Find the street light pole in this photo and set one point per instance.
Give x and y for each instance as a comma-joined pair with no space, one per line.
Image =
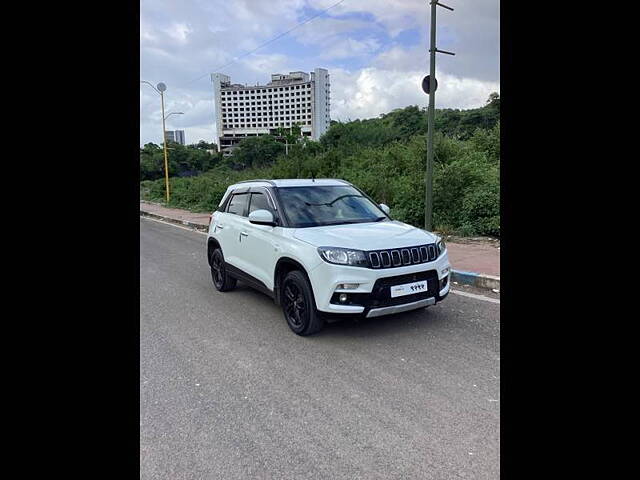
161,87
428,210
164,144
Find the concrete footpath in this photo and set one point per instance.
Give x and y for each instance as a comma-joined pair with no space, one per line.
475,261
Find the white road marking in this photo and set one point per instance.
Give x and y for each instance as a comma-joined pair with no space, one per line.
477,297
173,225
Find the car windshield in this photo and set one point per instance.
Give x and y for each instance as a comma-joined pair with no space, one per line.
314,206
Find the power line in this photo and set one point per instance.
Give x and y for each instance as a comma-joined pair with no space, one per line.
267,42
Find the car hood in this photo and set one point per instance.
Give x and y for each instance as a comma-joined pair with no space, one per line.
365,236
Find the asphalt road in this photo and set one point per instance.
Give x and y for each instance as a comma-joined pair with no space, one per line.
227,391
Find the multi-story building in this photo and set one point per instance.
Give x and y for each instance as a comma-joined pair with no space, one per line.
298,98
175,136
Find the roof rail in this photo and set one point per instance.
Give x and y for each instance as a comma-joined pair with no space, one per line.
259,180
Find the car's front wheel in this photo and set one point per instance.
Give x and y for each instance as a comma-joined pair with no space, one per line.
298,304
221,279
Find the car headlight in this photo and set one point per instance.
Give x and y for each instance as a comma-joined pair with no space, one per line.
441,247
343,256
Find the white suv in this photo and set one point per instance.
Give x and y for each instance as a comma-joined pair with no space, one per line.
322,248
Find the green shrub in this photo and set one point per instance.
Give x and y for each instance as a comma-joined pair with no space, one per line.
385,157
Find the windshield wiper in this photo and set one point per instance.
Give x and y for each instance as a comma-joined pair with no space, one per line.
349,222
328,204
379,219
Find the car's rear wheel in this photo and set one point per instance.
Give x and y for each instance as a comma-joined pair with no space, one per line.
221,279
298,304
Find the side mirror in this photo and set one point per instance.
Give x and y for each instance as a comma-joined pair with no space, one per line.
262,217
385,208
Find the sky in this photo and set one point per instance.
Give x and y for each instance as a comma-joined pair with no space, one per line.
376,52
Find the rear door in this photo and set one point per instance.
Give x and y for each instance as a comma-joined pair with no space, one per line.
259,243
229,236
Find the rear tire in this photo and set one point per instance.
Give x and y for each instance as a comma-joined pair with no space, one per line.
298,304
221,278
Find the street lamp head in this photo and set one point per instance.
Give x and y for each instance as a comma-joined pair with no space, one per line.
173,113
161,87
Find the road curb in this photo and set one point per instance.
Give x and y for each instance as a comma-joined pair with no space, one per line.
196,226
479,280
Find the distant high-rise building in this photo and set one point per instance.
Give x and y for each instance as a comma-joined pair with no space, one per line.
298,98
175,136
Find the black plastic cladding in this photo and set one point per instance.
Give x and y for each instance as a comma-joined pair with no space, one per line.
398,257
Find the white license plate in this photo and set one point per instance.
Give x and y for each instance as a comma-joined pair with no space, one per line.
408,289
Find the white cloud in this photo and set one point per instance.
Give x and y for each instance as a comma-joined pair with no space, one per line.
261,64
323,30
179,32
184,41
395,16
351,48
371,91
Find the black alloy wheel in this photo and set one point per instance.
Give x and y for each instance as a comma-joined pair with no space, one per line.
298,304
294,304
221,279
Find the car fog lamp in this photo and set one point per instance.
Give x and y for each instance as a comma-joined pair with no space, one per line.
343,297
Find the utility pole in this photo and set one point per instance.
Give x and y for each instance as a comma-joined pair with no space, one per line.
431,90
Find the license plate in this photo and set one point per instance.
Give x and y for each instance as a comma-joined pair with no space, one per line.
408,289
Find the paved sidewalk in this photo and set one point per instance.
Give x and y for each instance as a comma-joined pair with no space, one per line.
175,213
480,258
483,259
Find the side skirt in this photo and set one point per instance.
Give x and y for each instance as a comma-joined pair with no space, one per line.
252,281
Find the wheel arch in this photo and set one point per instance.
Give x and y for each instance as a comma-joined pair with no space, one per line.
285,265
212,244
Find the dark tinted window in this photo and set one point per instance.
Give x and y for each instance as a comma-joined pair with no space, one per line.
258,202
238,204
327,205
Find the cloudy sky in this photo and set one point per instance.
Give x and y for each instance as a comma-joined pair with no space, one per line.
375,51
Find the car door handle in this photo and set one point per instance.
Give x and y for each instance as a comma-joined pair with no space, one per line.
219,226
244,234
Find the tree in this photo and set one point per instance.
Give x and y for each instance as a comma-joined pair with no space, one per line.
202,145
256,152
183,160
494,99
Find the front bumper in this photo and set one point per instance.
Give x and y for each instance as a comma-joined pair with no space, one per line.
372,296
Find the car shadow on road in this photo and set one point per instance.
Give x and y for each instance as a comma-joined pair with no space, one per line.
420,320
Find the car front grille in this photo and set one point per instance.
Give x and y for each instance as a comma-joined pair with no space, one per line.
400,257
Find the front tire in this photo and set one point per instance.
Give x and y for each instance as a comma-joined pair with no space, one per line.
298,304
221,279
